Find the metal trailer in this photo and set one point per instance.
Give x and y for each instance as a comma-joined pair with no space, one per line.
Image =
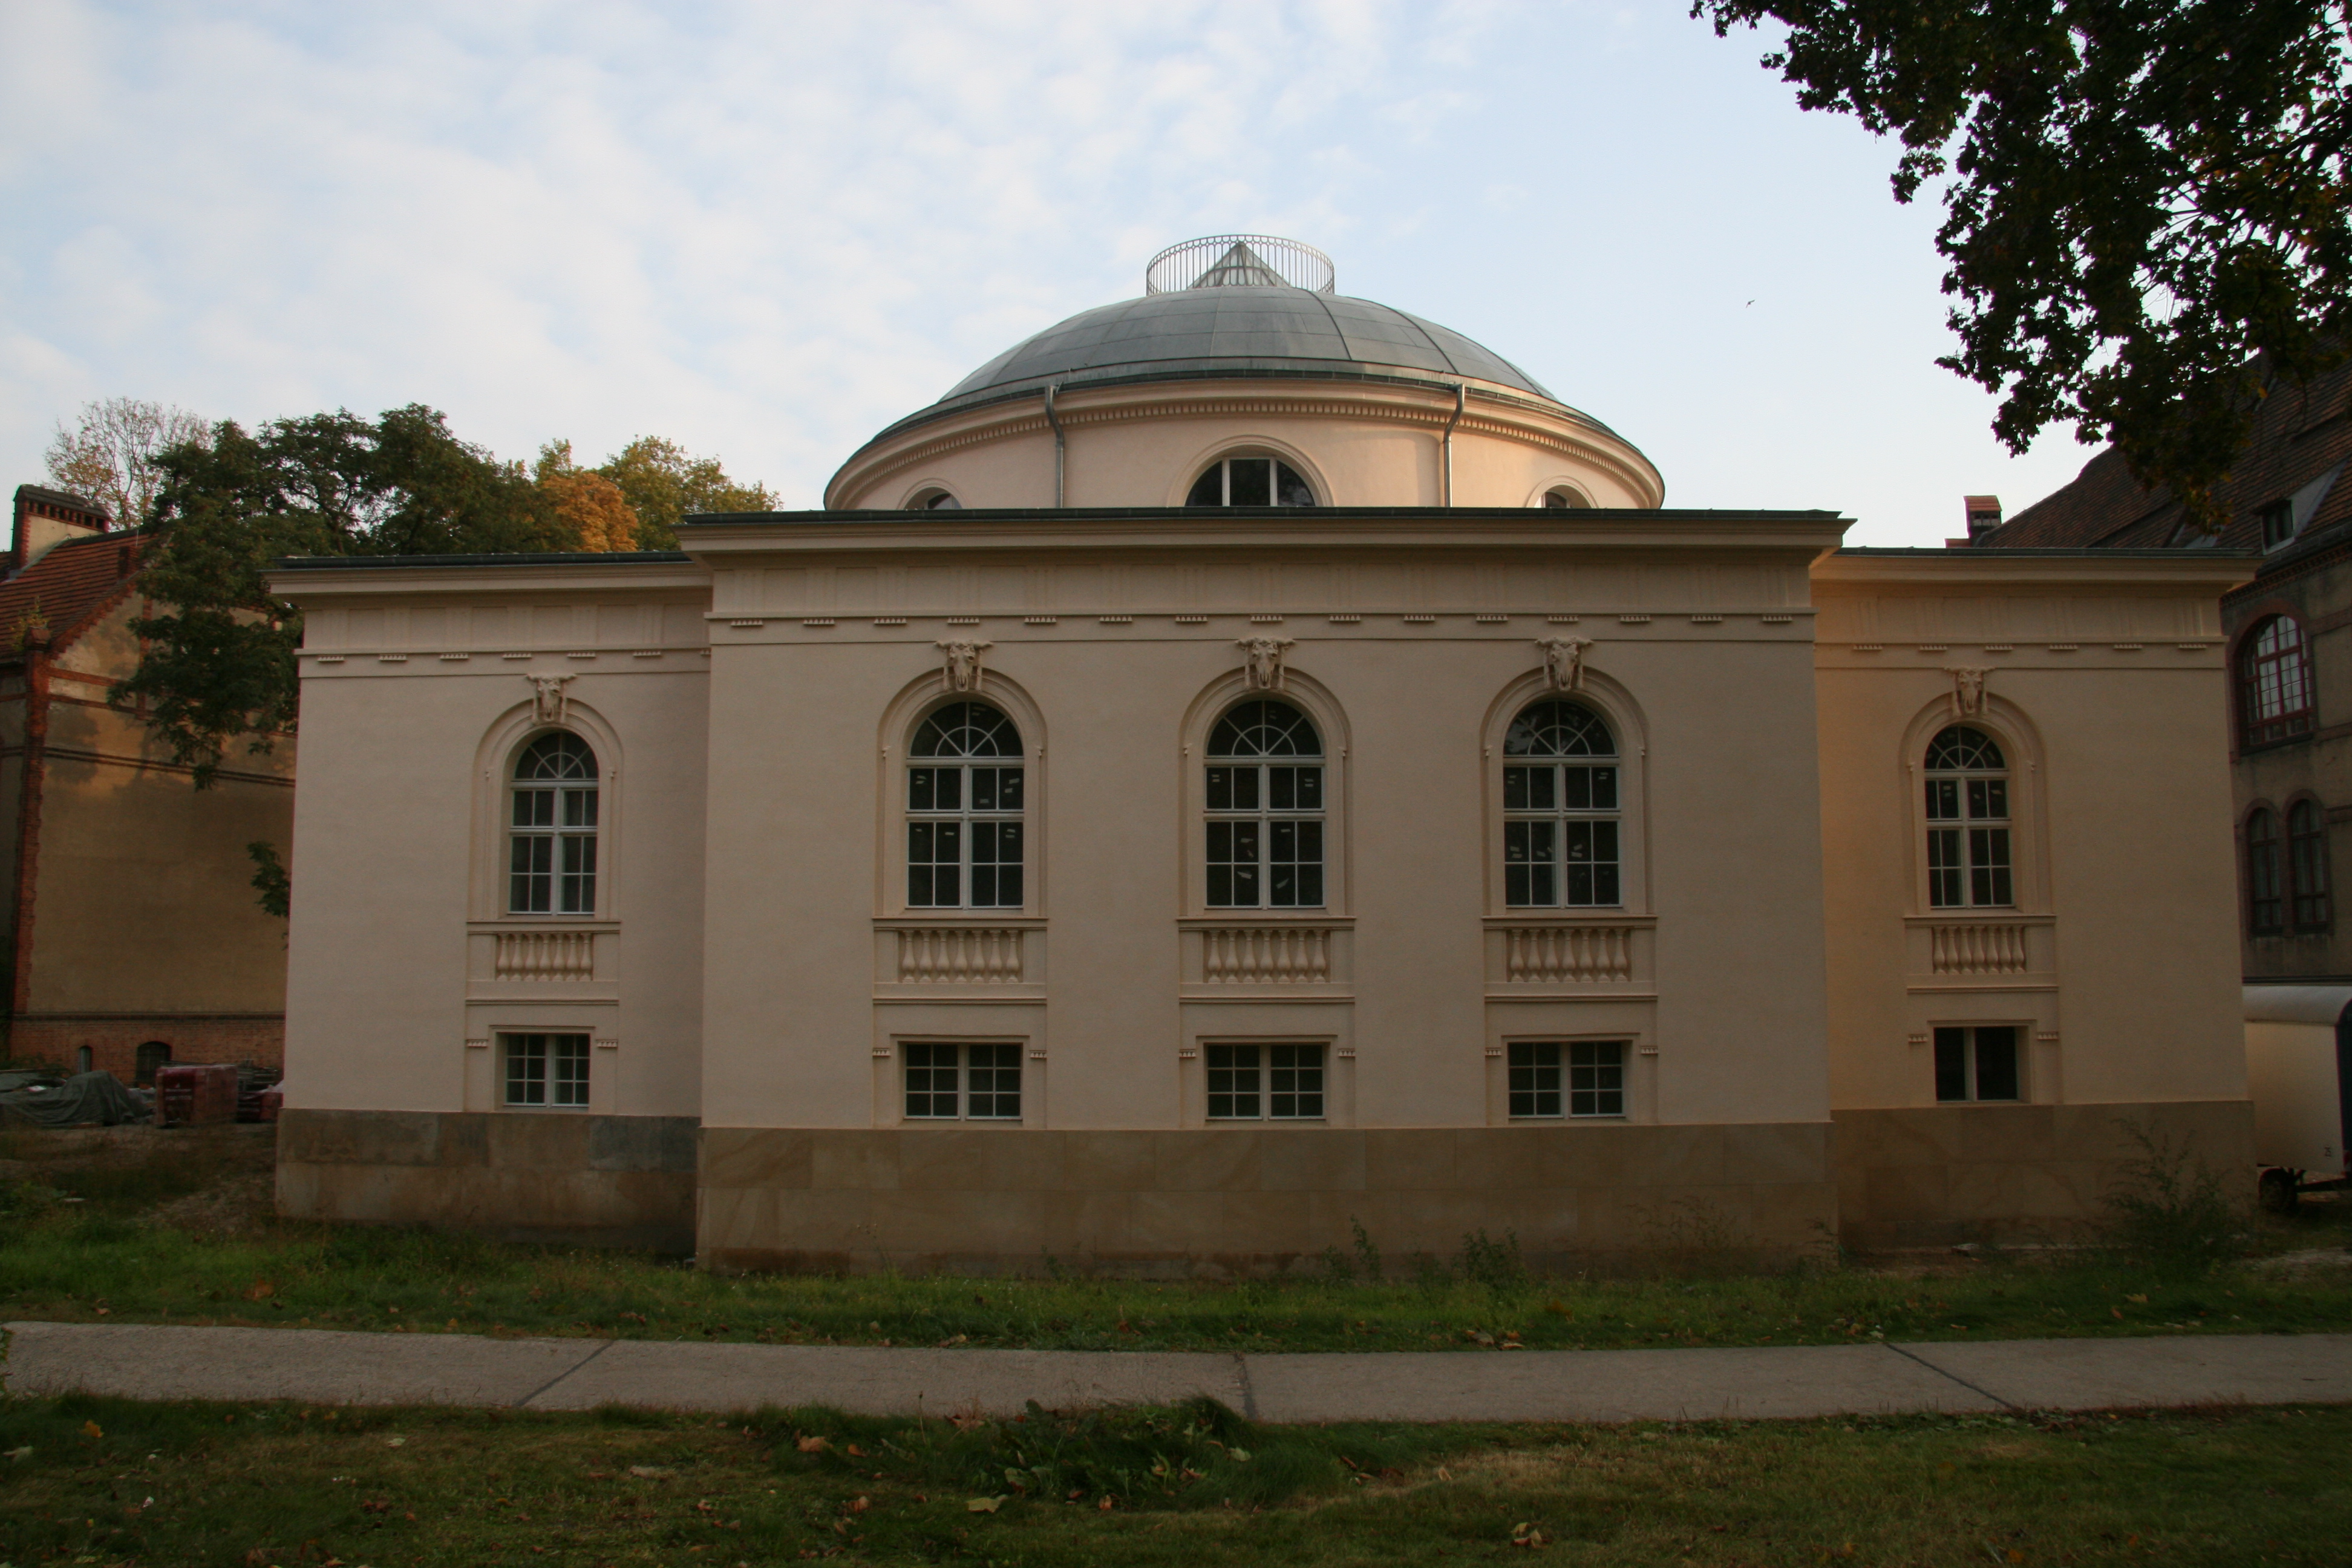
2299,1075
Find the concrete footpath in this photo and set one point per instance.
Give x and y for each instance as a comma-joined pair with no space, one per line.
152,1362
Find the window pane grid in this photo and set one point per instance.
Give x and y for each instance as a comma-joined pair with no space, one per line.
2274,683
1977,1063
1277,1083
546,1069
948,1082
1534,1078
551,828
965,838
1264,831
1596,1078
2306,831
1968,865
2265,909
1560,824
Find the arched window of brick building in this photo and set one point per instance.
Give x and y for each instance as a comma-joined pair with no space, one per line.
2307,860
2265,910
2274,686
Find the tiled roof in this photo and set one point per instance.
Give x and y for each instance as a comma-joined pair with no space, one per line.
2301,434
70,584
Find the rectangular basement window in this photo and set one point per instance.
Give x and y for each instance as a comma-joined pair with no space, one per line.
1979,1063
946,1082
1574,1078
546,1069
1265,1083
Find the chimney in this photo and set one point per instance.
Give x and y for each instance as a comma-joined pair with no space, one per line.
48,518
1984,515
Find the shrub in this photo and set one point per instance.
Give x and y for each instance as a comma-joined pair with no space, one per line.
2169,1209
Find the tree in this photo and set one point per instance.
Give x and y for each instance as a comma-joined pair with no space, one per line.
585,501
218,660
2147,219
663,485
108,455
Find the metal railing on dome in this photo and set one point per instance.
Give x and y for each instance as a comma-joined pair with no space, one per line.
1246,261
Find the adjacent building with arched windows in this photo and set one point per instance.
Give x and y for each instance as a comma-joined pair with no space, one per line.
1247,763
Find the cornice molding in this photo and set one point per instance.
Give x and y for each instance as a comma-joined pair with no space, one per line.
886,461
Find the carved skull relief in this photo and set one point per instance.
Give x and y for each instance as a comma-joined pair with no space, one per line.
1264,667
1967,691
962,671
1564,661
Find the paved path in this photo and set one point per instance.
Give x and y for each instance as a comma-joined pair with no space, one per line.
148,1362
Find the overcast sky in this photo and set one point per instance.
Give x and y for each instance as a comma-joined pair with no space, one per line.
767,230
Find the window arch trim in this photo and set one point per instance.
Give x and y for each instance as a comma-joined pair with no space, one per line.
2022,753
2274,698
902,717
1198,721
1629,726
501,748
1249,445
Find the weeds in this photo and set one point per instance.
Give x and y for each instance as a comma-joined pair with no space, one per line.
2170,1210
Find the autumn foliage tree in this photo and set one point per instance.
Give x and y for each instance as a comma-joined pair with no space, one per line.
108,453
2148,202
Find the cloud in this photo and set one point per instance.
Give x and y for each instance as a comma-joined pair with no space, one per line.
767,231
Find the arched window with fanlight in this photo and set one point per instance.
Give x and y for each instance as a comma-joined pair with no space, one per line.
2274,686
2306,866
1266,801
965,787
2266,910
1560,809
1969,823
551,828
1250,481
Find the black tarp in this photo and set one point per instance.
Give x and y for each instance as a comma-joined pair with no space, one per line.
86,1097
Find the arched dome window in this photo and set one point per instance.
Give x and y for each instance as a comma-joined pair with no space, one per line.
937,500
1560,498
1968,820
1560,809
963,810
552,835
1250,481
1264,799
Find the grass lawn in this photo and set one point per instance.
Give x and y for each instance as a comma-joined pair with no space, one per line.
176,1228
111,1481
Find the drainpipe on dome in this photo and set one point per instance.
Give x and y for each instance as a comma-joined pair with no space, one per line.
1061,448
1461,402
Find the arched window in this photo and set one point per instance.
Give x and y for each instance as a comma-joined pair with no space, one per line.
934,500
1266,809
2264,911
2306,863
963,810
1250,481
150,1056
1968,820
1560,498
2274,686
551,830
1560,809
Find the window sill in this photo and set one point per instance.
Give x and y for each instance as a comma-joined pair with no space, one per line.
545,923
1264,917
924,919
1618,1121
1554,914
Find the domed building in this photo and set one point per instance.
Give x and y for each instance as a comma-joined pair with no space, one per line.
1246,762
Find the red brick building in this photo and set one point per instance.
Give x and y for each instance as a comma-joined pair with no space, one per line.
128,934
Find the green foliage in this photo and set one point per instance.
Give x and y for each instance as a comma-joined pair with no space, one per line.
272,882
2170,1210
664,485
2147,220
1496,1265
218,659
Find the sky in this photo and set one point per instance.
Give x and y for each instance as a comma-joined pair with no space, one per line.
767,230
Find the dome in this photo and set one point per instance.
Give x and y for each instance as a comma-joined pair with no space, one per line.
1241,314
1220,329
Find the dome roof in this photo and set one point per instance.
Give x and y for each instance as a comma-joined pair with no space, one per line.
1203,331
